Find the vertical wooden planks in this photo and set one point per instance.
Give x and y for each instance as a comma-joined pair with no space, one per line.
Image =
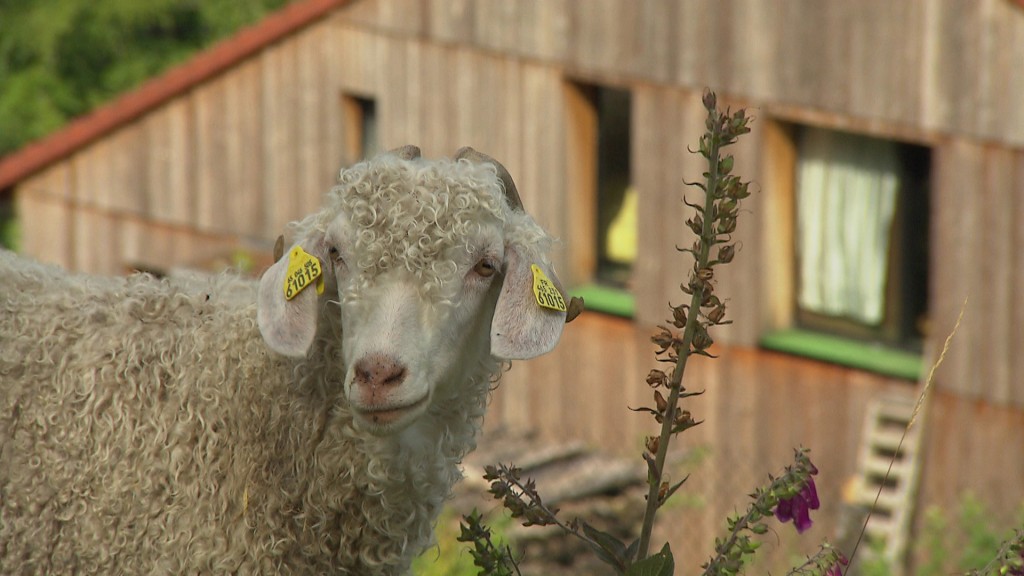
170,186
451,20
316,110
666,123
594,45
393,97
741,282
126,169
778,160
243,158
542,179
353,59
993,285
280,133
44,211
440,130
1016,312
581,182
549,37
1010,117
656,124
96,242
956,209
211,135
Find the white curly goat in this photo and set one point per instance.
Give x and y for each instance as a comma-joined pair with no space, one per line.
216,426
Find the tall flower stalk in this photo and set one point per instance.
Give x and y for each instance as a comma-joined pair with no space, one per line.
714,223
685,334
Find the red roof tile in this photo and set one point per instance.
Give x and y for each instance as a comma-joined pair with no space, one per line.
131,105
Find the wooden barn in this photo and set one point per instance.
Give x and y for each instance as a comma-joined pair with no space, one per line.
887,157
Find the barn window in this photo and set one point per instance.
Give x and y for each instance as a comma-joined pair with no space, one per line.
9,235
600,141
360,127
860,243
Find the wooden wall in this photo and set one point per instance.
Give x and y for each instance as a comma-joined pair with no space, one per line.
225,166
757,406
977,237
946,65
229,163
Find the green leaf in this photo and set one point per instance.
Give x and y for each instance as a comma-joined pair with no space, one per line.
608,548
660,564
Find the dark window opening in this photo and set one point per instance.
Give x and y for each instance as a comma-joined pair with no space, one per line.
361,121
9,231
616,195
862,237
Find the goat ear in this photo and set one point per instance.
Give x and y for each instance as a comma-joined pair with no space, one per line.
288,326
521,327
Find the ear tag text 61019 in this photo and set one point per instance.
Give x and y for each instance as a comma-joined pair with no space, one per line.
548,296
303,270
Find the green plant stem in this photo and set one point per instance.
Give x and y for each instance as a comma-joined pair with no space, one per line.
734,536
682,348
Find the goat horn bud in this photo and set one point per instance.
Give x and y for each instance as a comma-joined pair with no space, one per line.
511,193
407,152
279,248
575,309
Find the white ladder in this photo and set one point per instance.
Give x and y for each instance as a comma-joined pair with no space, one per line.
890,523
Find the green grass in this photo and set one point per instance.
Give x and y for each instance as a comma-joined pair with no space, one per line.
451,557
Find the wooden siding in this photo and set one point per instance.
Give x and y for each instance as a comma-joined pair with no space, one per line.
757,407
943,65
978,204
227,164
256,147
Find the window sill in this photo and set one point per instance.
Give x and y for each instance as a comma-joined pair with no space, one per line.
846,352
614,301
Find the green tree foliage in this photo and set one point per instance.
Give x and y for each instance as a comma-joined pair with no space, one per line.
62,58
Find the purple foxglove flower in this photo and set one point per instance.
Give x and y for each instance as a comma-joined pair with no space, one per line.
810,493
784,510
801,514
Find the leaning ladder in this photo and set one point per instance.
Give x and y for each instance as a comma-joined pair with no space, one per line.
888,530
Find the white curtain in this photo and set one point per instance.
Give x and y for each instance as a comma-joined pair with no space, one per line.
846,198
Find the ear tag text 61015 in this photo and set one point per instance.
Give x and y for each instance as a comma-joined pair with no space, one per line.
303,270
548,296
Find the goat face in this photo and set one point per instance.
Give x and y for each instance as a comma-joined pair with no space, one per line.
410,327
431,270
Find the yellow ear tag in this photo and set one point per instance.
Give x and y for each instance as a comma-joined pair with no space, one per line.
303,270
544,289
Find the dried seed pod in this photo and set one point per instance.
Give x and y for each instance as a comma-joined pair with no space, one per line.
727,225
656,378
679,316
726,253
653,443
717,314
710,101
696,224
701,340
660,401
664,339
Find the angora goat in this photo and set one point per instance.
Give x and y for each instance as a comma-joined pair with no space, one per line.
184,426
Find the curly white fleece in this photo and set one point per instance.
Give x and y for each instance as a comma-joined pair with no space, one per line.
145,428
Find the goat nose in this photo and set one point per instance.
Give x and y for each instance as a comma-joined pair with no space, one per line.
379,370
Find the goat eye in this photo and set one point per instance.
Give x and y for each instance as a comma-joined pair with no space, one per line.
485,268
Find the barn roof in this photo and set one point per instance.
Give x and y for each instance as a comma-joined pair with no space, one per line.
179,79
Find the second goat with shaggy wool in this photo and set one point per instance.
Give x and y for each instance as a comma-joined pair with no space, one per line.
311,424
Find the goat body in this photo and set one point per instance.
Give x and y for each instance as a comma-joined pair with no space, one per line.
216,426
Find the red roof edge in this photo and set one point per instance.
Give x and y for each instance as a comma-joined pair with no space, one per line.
179,79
